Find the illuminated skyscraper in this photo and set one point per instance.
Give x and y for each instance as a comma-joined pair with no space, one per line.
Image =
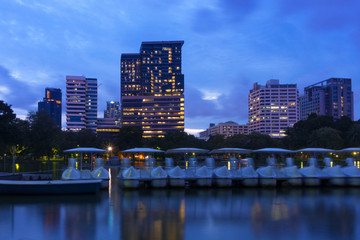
81,103
273,108
152,88
52,104
332,97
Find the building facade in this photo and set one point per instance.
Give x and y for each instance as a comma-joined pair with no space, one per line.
51,104
226,129
332,97
152,87
273,108
81,103
113,111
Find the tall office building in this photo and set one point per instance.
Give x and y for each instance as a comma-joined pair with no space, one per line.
152,88
273,108
332,97
81,103
52,104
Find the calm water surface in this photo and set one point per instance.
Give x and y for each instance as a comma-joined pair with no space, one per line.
185,214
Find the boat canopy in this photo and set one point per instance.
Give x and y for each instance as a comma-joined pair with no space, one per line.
144,150
349,150
273,150
324,150
187,150
85,150
230,150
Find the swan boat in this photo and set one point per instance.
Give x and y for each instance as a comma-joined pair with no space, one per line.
204,177
176,177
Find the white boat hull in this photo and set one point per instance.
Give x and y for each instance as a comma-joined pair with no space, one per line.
312,181
131,183
267,182
159,183
177,182
338,181
296,182
204,182
250,182
223,182
353,181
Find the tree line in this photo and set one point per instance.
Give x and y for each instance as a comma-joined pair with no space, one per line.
38,136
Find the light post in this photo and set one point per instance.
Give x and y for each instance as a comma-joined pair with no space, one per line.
109,149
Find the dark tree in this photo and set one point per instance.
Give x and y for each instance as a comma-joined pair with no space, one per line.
43,133
7,119
129,137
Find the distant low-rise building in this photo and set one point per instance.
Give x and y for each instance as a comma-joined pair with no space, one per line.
226,129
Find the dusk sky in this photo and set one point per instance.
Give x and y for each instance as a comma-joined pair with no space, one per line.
229,45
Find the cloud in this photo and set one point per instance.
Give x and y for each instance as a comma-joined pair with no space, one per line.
324,15
19,94
222,14
228,105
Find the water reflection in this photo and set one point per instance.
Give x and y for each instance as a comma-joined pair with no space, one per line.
185,214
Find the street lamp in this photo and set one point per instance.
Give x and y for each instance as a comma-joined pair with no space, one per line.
109,149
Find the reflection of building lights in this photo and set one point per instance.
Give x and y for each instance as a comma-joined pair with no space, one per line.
279,211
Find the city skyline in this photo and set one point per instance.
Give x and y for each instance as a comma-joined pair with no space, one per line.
229,46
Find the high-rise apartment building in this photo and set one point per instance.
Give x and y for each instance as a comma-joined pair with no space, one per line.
81,103
52,104
273,108
332,97
152,87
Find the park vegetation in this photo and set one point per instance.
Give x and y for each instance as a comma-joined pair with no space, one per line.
38,137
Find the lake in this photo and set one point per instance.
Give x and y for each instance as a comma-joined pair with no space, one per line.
235,213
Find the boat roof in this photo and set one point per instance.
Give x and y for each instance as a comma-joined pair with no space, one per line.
145,150
349,150
315,150
230,150
187,150
273,150
85,149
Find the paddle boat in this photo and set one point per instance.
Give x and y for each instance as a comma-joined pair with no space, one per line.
100,172
222,177
130,178
268,175
352,173
335,173
71,172
204,176
158,177
248,174
291,173
312,174
176,177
